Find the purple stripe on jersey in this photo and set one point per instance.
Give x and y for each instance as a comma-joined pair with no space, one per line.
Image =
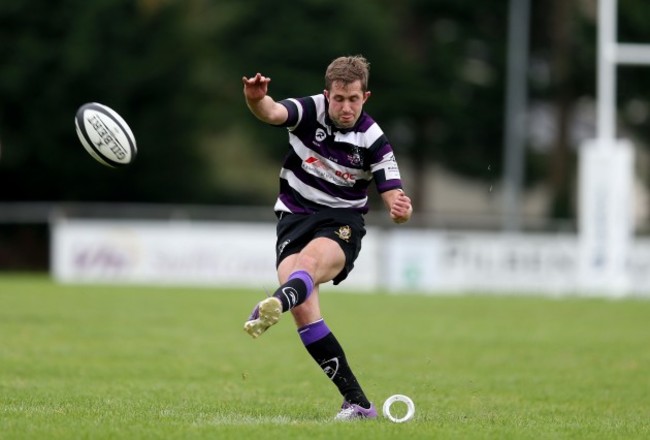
347,155
313,332
305,137
292,110
364,123
356,191
383,150
291,202
352,193
299,205
387,185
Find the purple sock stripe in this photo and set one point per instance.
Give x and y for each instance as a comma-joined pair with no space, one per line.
313,332
306,278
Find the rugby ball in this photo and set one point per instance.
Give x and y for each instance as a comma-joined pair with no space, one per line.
105,135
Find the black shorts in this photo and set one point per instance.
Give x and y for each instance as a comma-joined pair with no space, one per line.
346,227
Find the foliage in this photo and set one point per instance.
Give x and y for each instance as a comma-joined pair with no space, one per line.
456,50
172,68
293,45
58,55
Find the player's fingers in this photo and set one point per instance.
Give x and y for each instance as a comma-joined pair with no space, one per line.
256,78
401,204
405,202
250,81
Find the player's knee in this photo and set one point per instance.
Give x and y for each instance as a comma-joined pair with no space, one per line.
307,263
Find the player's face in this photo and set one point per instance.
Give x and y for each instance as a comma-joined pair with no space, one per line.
345,103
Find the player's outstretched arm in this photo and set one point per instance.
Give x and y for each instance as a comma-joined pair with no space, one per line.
260,103
398,205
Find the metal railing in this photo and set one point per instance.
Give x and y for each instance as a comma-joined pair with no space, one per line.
43,212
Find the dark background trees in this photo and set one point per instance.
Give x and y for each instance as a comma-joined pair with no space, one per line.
172,69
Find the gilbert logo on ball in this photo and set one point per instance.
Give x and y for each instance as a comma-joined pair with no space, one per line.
410,408
105,135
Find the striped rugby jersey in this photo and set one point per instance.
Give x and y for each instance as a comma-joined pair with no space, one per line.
329,167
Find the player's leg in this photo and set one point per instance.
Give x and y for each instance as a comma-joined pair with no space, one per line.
325,349
327,260
319,261
322,259
290,293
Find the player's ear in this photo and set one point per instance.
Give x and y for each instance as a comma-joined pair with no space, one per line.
366,95
327,94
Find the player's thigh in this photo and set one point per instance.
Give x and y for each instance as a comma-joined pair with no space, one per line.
286,267
323,258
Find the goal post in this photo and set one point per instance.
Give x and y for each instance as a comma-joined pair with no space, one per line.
606,172
605,216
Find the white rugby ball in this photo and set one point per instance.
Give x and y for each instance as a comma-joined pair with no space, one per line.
105,135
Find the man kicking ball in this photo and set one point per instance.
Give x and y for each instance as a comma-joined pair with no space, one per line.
336,150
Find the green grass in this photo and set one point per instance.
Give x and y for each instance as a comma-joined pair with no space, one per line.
102,362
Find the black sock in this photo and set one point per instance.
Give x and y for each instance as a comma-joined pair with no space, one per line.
295,291
328,353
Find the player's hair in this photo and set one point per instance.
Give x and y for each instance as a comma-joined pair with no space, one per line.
348,70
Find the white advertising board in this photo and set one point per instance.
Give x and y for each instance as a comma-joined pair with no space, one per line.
433,262
162,252
397,259
457,262
180,253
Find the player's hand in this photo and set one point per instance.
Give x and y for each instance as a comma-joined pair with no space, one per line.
401,208
256,88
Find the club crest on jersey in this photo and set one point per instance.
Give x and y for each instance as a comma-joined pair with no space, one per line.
355,157
344,233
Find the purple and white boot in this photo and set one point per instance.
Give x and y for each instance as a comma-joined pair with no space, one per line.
352,411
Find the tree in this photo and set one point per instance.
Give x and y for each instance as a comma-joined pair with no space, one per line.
138,60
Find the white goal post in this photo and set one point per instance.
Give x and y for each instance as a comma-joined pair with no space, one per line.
606,170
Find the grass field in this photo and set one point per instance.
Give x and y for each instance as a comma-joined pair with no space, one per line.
103,362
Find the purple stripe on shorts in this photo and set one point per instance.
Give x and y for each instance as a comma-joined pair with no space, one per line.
313,332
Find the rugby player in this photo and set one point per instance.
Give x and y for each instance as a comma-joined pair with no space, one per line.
335,151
